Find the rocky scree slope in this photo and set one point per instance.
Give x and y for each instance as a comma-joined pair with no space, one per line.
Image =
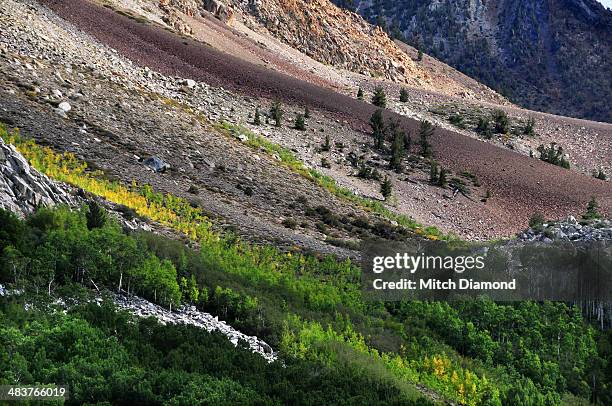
120,112
317,29
517,186
551,55
577,137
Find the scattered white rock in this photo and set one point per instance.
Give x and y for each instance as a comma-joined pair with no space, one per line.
191,316
570,230
64,106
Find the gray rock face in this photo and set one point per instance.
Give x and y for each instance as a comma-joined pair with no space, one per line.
22,188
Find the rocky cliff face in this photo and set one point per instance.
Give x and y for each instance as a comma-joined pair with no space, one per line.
332,35
550,55
315,27
172,10
22,188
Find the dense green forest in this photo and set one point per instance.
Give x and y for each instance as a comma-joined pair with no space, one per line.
475,352
334,347
109,356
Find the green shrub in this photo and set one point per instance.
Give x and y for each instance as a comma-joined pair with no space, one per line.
276,112
592,211
457,120
553,155
379,98
529,128
484,127
366,172
290,223
599,174
299,123
536,221
502,123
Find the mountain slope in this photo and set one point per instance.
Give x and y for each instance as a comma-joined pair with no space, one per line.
518,183
113,88
303,39
549,55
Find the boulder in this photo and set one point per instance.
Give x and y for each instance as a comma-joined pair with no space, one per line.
64,106
190,83
219,9
156,164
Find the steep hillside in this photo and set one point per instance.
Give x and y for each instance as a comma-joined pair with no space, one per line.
551,55
306,39
258,177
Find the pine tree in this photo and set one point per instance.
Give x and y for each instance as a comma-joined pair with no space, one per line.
442,179
434,174
299,124
403,95
382,22
360,94
592,212
484,127
386,188
397,146
502,124
396,32
407,142
529,128
426,130
420,55
380,98
257,119
306,112
96,215
276,111
378,129
327,145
